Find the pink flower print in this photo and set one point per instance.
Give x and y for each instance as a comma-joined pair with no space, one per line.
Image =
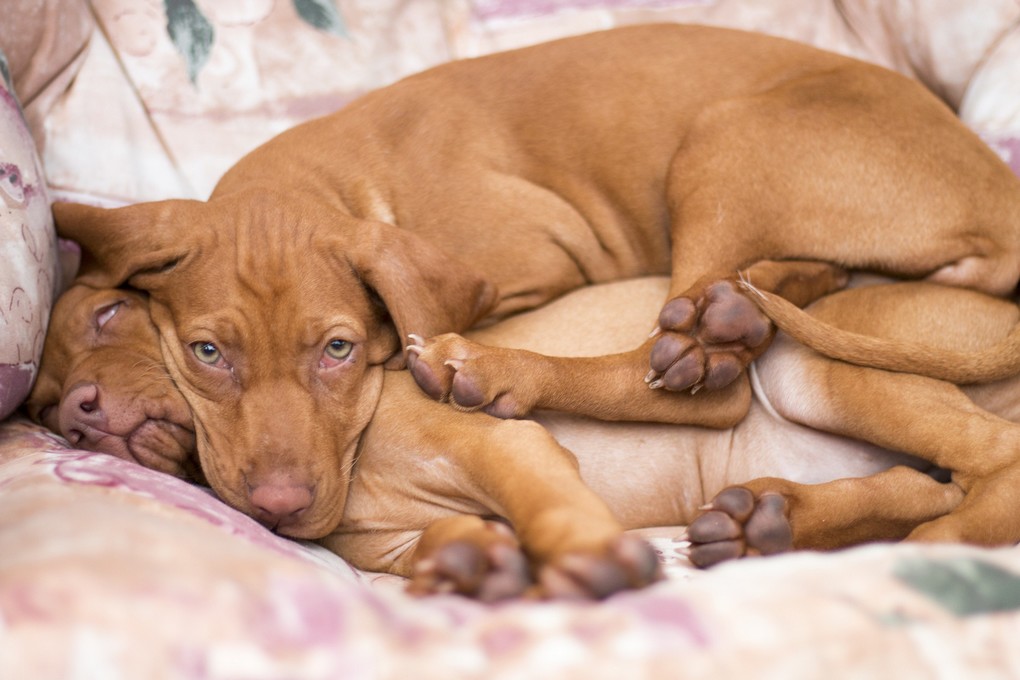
12,187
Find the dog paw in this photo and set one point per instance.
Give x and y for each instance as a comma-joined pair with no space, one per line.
736,524
628,563
488,573
707,341
469,376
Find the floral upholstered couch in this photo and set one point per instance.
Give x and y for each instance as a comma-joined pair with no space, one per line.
110,570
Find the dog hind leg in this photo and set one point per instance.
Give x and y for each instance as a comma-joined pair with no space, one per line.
837,168
770,515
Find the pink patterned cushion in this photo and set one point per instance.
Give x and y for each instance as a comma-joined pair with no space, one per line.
28,251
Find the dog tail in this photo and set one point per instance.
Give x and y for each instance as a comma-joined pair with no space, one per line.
962,367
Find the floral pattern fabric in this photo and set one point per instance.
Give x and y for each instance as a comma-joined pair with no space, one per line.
108,569
28,255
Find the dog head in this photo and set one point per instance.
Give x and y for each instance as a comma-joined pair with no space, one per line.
276,315
103,385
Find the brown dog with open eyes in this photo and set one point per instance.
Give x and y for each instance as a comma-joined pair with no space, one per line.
780,479
489,186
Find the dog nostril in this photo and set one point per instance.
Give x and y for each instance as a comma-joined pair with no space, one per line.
85,398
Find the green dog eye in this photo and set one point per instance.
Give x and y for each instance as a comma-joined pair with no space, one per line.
206,352
338,349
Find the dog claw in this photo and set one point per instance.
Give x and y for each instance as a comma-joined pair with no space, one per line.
748,287
417,345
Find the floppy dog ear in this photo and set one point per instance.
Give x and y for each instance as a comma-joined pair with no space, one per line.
121,244
425,290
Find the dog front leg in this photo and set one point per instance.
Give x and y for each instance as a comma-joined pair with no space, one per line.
725,332
449,475
513,383
576,547
711,331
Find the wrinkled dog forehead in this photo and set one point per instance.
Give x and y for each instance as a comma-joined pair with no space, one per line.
295,295
256,247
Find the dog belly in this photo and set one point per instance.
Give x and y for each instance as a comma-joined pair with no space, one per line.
766,445
647,473
658,475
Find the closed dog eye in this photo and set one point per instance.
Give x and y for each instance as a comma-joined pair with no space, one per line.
104,314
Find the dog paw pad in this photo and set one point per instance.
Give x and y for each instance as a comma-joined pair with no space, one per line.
494,573
707,341
736,524
466,392
629,563
730,316
427,379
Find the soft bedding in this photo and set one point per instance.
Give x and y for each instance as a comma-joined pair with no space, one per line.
109,570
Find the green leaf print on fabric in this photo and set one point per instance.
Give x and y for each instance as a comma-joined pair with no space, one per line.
5,72
963,586
191,33
322,14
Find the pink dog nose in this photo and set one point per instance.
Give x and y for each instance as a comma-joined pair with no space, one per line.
80,413
280,504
